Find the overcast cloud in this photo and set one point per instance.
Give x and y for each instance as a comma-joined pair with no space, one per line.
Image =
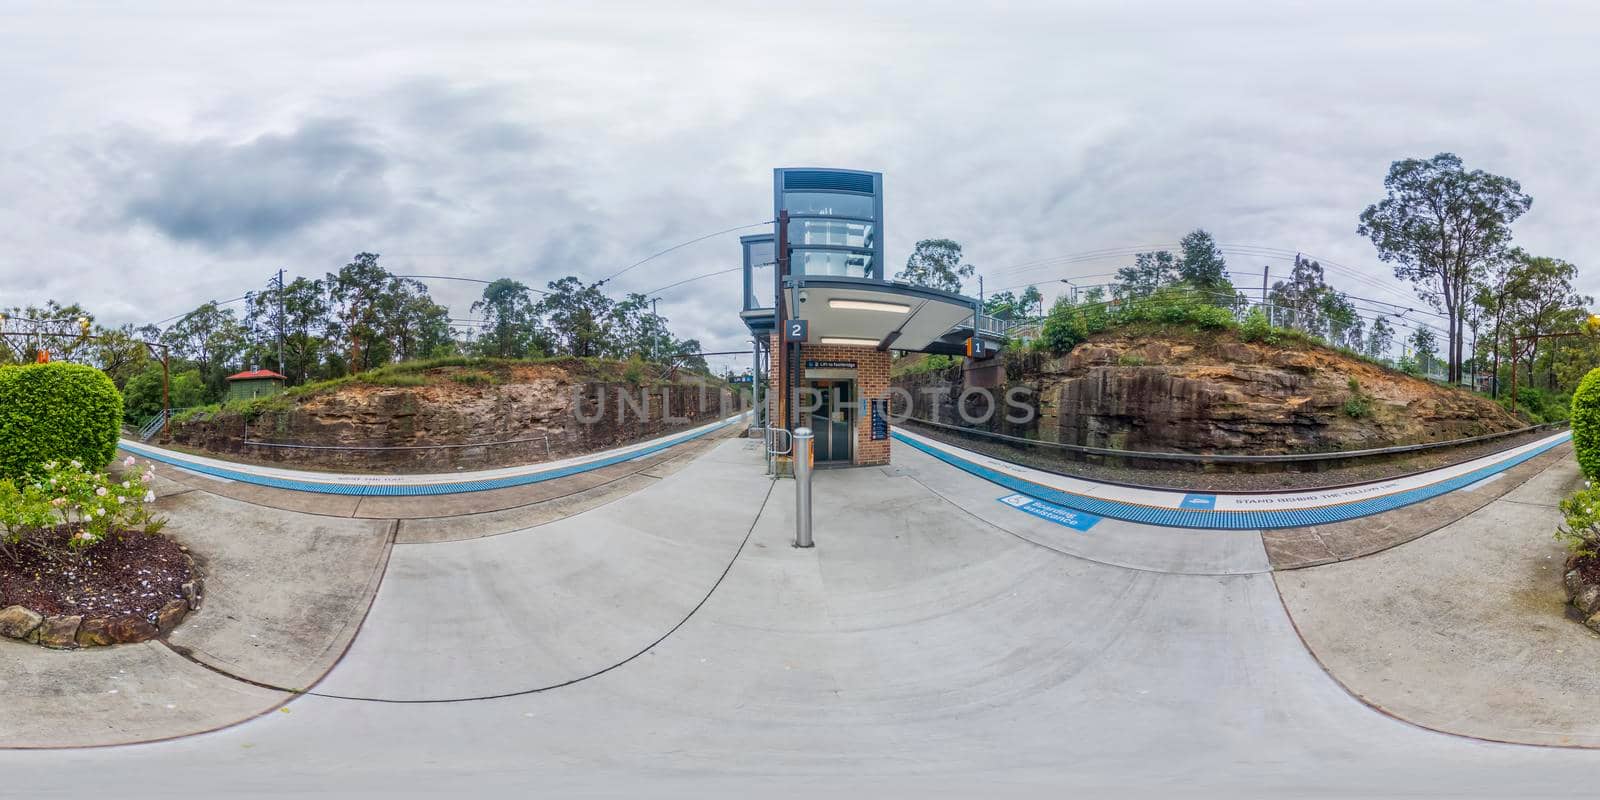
156,159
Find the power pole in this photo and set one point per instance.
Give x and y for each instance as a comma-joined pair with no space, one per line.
655,339
280,322
1264,301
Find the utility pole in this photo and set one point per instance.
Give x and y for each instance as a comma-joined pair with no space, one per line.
1264,301
655,338
280,322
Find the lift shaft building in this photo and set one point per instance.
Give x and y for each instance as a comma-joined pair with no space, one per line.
825,316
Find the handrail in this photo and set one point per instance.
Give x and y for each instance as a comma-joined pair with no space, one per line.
769,434
1234,458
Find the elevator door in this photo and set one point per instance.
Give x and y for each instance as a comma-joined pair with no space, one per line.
834,423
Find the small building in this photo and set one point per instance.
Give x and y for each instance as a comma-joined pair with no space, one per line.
250,384
824,315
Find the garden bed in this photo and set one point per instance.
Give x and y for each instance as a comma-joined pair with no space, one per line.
132,587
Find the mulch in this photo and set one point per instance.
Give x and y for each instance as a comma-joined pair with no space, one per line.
1588,567
133,574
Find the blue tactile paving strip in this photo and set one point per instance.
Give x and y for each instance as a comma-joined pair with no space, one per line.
1227,520
407,490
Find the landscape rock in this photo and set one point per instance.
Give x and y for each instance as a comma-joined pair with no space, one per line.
1587,598
60,632
124,630
18,622
94,632
171,614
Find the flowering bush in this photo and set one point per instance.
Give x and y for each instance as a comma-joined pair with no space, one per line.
1581,532
70,509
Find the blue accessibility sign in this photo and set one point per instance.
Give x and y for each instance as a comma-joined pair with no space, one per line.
1200,502
1076,520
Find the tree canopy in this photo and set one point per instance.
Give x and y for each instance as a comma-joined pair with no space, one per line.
1441,226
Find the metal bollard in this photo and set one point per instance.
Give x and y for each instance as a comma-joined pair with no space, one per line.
802,487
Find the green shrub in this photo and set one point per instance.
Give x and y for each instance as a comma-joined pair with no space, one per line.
1359,404
1581,529
928,363
634,373
91,505
1130,360
1586,424
56,412
1256,328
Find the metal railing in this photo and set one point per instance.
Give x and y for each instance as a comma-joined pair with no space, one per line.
358,447
153,424
770,440
1235,458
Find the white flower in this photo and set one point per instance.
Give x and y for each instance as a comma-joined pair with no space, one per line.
127,485
149,497
99,512
50,465
99,491
127,462
76,464
119,499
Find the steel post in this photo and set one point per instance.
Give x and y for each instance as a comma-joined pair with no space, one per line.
802,487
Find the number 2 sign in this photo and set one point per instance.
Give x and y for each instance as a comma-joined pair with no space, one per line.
795,330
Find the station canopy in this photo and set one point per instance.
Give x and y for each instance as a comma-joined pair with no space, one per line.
880,314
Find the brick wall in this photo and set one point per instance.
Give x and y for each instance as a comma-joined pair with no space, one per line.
872,383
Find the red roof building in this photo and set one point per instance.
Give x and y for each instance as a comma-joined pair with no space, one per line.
254,383
257,374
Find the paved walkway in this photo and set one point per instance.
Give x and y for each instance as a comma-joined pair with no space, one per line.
936,641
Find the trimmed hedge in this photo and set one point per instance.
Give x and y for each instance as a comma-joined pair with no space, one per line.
56,412
1586,424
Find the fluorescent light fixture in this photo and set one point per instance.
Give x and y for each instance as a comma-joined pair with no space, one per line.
869,305
848,342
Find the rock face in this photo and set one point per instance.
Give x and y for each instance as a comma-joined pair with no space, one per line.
518,415
1212,393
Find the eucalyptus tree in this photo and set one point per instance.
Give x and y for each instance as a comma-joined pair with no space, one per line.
1442,226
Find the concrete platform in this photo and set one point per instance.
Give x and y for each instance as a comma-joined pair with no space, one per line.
285,595
1464,630
936,642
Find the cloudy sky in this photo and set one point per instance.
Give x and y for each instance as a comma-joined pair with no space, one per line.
152,160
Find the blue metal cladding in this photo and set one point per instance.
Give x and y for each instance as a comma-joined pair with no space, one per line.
405,490
828,180
1226,520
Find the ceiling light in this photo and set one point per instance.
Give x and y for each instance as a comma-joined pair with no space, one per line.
848,342
869,305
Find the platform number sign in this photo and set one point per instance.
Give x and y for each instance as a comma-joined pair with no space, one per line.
795,330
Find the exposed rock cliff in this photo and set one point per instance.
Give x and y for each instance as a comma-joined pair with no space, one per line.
1212,393
460,418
